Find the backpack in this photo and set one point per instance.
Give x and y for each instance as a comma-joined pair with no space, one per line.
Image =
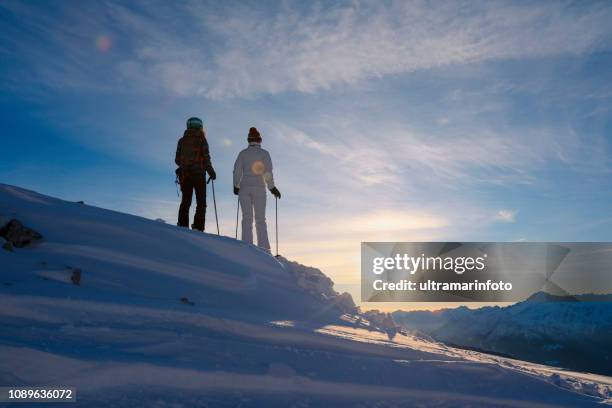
191,154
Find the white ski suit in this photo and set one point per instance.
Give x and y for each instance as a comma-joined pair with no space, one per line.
252,172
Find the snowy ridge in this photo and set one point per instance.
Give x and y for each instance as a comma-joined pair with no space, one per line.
167,317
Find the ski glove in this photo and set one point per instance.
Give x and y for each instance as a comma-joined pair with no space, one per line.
276,193
211,172
236,190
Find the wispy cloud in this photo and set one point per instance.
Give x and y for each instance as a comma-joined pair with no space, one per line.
317,48
505,216
226,51
452,159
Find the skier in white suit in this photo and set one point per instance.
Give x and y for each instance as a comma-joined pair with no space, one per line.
252,173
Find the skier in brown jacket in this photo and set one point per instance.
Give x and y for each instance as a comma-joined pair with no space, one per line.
193,159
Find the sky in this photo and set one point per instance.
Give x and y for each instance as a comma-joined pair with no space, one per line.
386,121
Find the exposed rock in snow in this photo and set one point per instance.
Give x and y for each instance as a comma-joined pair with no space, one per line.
186,301
75,276
18,235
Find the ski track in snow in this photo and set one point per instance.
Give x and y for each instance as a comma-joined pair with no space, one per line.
252,338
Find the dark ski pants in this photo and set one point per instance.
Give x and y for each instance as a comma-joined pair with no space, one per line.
191,182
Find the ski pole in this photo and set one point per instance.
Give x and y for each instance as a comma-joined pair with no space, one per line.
276,211
215,204
237,211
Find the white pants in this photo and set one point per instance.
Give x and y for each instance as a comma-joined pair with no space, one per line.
253,199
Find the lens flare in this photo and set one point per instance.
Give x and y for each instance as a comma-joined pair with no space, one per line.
103,43
258,168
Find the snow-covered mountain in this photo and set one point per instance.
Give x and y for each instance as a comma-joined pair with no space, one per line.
572,331
134,312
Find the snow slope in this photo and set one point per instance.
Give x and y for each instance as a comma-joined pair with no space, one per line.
245,335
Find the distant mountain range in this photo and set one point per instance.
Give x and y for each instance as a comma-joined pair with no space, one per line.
566,331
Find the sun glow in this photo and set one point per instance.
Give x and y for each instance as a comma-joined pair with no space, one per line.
385,221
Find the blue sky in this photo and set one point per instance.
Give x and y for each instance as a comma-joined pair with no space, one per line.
473,121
